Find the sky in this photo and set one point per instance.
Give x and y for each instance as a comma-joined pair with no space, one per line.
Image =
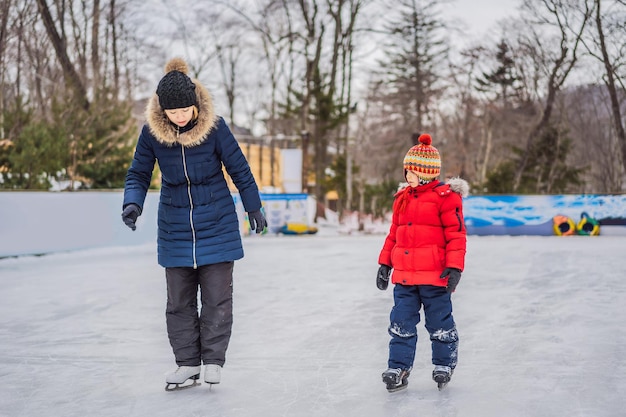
480,16
540,319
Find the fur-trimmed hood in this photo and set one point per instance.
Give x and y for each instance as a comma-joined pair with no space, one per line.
167,133
459,185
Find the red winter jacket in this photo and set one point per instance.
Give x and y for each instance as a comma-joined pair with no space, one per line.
427,233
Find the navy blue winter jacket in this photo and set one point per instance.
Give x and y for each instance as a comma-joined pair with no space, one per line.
197,221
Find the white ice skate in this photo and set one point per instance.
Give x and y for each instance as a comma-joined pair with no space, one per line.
212,373
183,377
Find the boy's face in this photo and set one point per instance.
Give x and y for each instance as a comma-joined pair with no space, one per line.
412,178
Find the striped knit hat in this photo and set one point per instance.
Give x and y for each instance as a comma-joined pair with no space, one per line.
423,159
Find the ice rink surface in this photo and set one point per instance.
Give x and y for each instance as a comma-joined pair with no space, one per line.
541,323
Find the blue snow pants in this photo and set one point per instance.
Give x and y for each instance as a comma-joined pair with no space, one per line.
404,317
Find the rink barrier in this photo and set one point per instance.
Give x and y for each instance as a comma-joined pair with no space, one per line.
37,223
34,223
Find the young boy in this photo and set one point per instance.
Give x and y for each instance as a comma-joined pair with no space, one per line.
426,249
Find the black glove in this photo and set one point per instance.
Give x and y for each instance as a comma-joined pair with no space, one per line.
453,275
382,278
130,214
257,221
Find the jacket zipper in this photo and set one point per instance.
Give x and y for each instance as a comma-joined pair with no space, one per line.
458,218
193,230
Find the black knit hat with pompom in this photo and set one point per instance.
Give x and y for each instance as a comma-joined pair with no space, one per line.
176,90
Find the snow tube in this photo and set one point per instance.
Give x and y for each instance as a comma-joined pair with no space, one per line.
563,225
297,229
587,226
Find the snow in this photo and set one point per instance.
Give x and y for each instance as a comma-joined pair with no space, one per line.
540,321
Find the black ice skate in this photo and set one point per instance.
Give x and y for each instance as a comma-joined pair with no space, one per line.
182,378
396,379
442,375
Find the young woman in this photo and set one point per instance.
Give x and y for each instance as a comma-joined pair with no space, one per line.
198,231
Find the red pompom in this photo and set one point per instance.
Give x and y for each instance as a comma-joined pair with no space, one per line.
425,139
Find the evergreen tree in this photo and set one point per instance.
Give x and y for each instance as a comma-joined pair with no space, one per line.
337,179
109,138
99,141
89,147
503,78
416,53
546,172
404,97
382,196
33,156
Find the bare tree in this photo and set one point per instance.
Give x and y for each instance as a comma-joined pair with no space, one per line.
72,78
558,64
469,159
589,114
5,11
317,36
95,47
611,63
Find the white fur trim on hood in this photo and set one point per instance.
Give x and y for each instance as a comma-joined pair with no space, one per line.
459,186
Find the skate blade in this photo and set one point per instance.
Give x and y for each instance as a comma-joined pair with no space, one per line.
190,383
396,388
441,385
